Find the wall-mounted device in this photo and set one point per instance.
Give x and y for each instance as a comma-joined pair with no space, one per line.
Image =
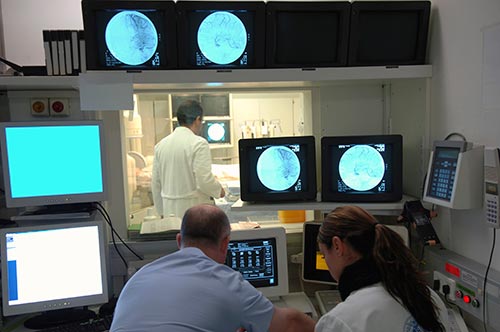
455,175
491,182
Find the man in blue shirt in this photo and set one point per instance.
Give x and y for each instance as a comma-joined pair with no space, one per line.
192,290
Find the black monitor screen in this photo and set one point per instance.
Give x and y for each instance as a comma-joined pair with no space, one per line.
314,268
442,177
277,169
307,34
255,259
388,33
221,34
361,168
130,35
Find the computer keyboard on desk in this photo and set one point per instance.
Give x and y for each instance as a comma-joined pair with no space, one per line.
99,324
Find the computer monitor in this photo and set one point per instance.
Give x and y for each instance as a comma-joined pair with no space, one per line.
314,268
48,268
217,132
388,33
362,168
261,256
277,169
52,162
224,34
307,34
129,35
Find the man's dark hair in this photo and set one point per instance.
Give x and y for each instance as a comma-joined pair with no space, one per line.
188,111
204,225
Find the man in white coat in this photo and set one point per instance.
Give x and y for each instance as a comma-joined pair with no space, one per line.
182,168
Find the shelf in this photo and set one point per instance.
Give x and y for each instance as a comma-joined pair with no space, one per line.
208,79
389,209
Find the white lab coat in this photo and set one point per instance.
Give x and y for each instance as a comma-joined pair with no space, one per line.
373,309
182,173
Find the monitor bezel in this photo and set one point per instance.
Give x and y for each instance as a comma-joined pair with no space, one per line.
168,47
183,24
343,8
278,233
422,7
51,199
50,305
329,195
309,245
309,163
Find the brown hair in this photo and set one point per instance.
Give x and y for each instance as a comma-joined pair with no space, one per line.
397,266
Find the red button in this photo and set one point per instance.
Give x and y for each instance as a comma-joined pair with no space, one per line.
466,299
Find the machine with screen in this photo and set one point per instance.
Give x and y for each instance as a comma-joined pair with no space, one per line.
55,270
129,35
278,169
362,168
48,163
307,34
217,132
261,257
314,268
224,34
374,40
455,175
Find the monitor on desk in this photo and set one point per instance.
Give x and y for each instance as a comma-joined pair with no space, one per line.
314,268
261,257
51,269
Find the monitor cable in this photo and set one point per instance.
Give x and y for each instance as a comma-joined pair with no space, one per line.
486,279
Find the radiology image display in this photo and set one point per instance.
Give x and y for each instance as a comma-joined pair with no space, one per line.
131,38
217,131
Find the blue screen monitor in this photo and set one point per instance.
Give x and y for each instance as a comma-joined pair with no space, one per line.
52,162
278,169
224,34
217,132
50,269
362,168
130,35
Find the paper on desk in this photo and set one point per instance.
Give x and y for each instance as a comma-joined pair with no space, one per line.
244,225
170,224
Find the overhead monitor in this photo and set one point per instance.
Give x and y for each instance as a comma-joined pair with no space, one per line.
52,162
307,34
129,35
362,168
455,175
388,32
53,269
260,256
278,169
224,34
217,132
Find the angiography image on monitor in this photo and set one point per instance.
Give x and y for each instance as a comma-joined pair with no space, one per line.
131,37
278,167
362,167
222,38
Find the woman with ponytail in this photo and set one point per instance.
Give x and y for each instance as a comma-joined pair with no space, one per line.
378,278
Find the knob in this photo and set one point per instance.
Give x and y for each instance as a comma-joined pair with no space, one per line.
475,303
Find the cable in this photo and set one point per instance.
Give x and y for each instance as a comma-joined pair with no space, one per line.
486,279
113,237
455,134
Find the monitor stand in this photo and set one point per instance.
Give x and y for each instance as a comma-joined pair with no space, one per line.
61,211
59,317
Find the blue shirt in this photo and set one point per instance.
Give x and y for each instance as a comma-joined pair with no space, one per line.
188,291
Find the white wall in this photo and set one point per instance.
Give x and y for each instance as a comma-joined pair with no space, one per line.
456,53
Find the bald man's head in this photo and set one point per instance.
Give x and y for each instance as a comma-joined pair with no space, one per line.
204,225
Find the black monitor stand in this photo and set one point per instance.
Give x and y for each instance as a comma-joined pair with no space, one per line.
59,317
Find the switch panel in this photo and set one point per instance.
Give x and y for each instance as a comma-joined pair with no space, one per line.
59,107
39,107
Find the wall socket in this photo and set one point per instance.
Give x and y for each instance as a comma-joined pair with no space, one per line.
444,280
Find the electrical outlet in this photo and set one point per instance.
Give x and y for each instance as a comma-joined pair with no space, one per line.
59,107
39,107
444,280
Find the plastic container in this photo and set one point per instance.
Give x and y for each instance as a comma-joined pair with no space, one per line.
286,216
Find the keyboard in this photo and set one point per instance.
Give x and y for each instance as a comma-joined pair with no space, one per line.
100,324
327,300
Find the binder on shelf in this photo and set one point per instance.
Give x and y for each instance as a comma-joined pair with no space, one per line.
60,52
83,59
67,52
75,52
54,36
48,54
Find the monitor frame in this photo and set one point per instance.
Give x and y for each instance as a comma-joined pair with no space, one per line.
166,47
45,200
328,194
279,234
310,272
421,7
309,163
185,54
273,9
55,304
